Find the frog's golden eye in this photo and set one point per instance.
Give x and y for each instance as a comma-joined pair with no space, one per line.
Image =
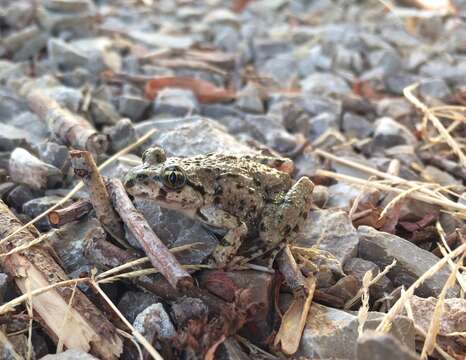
173,177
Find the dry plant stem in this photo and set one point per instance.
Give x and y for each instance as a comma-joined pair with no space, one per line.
79,186
384,326
375,172
70,213
72,129
434,326
27,169
291,272
446,204
86,169
408,93
161,258
87,329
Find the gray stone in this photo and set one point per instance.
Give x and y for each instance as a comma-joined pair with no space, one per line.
121,135
70,355
307,163
356,126
321,123
70,240
132,106
18,14
249,99
372,346
134,302
320,195
155,325
457,38
315,104
342,195
435,89
161,40
332,334
389,133
17,197
54,154
37,129
67,5
433,174
193,136
4,283
65,55
176,102
331,231
175,229
358,268
269,130
325,84
37,206
12,137
381,248
282,68
103,112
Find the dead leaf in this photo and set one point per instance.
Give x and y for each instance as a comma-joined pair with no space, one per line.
294,320
205,91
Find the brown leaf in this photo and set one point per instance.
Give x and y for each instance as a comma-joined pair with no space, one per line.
205,91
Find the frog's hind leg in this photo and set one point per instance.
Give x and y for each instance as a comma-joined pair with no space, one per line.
281,222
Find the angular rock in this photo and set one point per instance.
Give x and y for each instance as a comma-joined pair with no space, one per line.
134,302
12,137
358,268
121,135
176,102
382,347
230,349
332,333
175,229
194,136
132,106
70,355
325,84
381,248
155,325
389,133
55,154
356,126
332,231
249,99
18,196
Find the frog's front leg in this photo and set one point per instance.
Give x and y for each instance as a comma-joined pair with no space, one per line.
283,219
232,240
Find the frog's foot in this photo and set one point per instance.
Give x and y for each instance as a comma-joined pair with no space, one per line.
229,245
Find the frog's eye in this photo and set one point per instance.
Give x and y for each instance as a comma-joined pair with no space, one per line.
173,177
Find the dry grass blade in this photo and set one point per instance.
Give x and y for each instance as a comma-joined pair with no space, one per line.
79,186
384,326
434,326
446,204
364,309
408,93
400,197
30,312
373,281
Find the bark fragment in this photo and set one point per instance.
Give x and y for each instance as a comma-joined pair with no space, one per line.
86,169
34,268
70,128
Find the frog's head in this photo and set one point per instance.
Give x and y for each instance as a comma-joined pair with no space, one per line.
163,181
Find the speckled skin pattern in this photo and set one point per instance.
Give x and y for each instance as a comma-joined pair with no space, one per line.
245,195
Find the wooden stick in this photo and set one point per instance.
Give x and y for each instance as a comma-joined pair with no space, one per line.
161,258
291,272
70,128
86,169
87,328
26,169
70,213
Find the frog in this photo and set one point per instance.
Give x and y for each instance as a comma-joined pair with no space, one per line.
251,198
